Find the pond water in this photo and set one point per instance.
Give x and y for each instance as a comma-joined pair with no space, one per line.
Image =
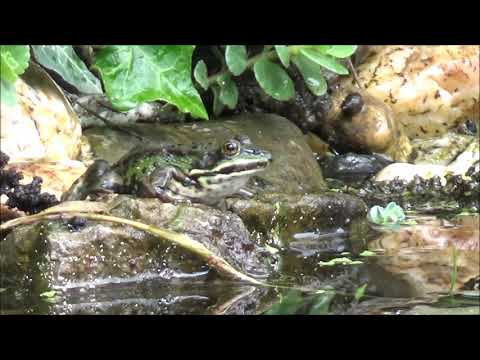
428,268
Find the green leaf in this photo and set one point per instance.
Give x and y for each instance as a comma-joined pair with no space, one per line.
367,253
134,74
63,60
392,214
312,75
48,294
360,292
326,61
273,79
288,305
13,61
340,261
321,303
201,75
341,51
217,103
228,91
283,54
8,94
236,58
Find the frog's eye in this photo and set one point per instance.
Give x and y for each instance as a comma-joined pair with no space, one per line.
231,148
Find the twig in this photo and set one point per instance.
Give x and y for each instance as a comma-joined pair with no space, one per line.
354,73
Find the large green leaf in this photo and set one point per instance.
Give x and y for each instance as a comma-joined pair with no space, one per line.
341,51
273,79
326,61
63,60
283,54
133,74
236,58
7,93
312,74
13,61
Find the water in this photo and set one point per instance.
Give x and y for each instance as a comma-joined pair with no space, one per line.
407,270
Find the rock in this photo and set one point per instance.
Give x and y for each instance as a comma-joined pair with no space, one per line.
353,167
429,88
281,216
42,125
406,172
52,254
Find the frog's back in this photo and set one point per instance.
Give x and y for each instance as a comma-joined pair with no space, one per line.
142,162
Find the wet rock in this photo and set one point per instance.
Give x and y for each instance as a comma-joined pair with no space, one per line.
282,216
50,253
353,167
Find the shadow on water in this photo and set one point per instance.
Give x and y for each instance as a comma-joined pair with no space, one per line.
429,268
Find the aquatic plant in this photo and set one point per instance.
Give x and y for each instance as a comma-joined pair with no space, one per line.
390,215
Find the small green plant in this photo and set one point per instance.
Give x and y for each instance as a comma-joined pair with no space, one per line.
269,70
392,214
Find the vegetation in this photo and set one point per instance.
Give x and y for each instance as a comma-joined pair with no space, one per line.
134,74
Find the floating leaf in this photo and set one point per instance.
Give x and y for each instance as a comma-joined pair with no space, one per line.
63,60
13,61
312,75
340,261
367,253
326,61
283,54
48,294
236,58
273,79
341,51
201,75
134,74
228,91
360,292
392,214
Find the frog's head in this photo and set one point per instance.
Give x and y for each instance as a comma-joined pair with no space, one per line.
230,165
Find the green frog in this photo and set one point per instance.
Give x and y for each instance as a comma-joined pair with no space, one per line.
200,174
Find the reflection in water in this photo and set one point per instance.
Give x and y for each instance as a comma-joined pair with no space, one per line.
417,261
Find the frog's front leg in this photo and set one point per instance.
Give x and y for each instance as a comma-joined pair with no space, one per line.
160,184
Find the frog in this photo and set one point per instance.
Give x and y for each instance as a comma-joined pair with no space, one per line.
195,173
